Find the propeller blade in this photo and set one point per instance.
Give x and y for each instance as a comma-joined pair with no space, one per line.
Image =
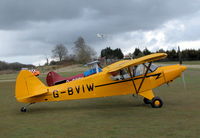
179,55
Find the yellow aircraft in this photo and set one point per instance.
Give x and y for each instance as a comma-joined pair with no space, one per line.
136,76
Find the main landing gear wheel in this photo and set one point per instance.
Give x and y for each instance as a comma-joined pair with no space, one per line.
146,101
156,102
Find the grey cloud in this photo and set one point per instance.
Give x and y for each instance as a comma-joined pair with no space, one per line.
137,14
190,31
35,26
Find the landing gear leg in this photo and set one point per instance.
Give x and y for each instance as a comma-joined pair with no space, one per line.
24,109
146,101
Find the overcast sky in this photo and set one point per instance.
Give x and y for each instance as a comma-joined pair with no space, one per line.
29,29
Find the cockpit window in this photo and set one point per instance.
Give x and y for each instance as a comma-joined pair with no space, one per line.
135,71
153,67
124,73
141,69
120,74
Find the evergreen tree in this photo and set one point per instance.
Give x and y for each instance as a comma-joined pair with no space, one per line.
146,51
137,53
160,51
109,53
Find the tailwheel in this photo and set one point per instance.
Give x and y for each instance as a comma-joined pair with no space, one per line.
23,109
146,101
156,102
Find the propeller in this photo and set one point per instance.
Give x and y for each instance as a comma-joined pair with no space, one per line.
180,62
180,56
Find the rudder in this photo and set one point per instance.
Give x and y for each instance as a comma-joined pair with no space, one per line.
27,86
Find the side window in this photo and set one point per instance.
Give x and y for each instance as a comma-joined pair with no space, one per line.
124,74
120,74
153,67
134,70
140,70
115,75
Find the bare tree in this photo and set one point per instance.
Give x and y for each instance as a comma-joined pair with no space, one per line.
60,52
83,52
47,60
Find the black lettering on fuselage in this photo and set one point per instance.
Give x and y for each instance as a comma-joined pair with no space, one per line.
77,89
55,94
83,88
70,91
90,87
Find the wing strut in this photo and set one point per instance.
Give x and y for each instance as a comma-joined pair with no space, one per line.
148,68
131,74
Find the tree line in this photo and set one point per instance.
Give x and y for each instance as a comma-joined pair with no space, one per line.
13,66
173,55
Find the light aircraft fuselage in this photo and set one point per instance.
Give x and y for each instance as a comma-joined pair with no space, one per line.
135,77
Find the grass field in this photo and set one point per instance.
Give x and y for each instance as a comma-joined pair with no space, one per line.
112,117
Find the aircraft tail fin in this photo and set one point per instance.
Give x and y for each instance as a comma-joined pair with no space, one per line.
53,77
28,85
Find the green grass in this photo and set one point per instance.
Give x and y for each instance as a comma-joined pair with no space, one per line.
8,76
112,117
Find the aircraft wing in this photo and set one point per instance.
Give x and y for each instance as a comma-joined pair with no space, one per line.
126,63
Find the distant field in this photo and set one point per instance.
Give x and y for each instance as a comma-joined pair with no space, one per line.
75,69
184,62
112,117
189,64
65,71
4,77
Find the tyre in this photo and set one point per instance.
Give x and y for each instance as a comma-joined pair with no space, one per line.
156,102
23,109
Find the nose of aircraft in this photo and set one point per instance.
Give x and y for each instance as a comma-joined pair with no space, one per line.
173,71
183,68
